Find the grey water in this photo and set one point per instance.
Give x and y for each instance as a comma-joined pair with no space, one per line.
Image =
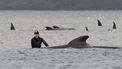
26,22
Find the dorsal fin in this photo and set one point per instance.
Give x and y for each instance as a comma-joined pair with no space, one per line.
99,23
114,25
12,27
80,39
79,42
55,26
86,28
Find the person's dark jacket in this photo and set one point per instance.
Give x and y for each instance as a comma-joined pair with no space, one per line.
36,42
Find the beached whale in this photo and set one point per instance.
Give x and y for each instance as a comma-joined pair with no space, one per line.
80,42
58,28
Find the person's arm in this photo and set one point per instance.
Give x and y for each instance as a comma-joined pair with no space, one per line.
44,42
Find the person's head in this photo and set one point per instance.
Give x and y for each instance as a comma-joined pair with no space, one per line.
36,34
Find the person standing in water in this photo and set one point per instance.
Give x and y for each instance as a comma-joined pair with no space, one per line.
36,41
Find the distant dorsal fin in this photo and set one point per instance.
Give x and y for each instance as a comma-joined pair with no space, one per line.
55,26
12,27
86,28
99,23
114,25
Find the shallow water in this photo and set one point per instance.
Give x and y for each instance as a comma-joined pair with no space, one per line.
16,52
27,21
61,58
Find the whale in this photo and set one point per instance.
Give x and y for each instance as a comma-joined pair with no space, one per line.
79,43
58,28
48,28
55,26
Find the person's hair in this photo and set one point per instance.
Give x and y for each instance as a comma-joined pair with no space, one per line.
36,32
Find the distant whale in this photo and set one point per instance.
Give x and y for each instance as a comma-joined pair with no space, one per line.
48,28
58,28
55,26
80,42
